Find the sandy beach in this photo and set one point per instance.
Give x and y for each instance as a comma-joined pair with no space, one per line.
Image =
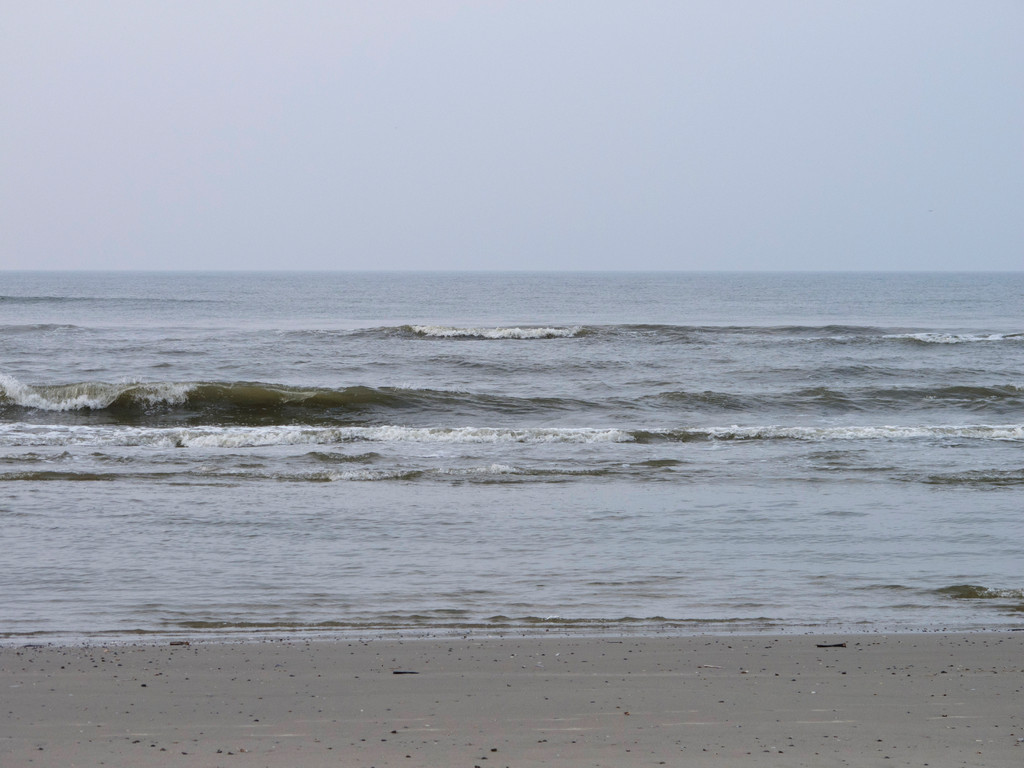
918,700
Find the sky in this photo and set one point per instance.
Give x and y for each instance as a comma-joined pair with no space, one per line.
521,135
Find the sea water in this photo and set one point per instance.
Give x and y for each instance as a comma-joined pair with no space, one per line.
332,453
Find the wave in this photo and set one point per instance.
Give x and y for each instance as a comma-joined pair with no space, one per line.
254,402
697,333
994,478
449,332
657,332
662,333
10,330
978,592
458,620
484,472
258,403
89,395
343,458
100,300
22,434
652,333
815,333
58,476
827,333
1011,432
28,434
972,398
210,475
48,299
934,337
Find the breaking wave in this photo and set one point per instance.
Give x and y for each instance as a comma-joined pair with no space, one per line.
978,592
955,338
206,436
251,402
250,437
257,403
90,395
449,332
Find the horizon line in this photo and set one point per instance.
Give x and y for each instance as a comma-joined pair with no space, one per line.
272,270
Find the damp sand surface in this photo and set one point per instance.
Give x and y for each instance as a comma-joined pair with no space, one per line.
864,699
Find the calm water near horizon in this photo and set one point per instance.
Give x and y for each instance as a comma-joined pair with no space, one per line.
244,453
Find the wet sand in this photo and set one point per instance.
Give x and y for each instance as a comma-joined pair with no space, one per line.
896,700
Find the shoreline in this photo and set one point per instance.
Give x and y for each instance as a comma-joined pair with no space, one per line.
819,699
474,634
557,628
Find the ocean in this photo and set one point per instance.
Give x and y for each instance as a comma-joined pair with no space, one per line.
329,454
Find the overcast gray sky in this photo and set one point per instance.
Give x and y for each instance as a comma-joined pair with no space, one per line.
424,134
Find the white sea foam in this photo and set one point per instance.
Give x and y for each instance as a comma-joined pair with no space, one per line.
885,432
363,475
484,435
448,332
956,338
253,437
373,475
22,434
